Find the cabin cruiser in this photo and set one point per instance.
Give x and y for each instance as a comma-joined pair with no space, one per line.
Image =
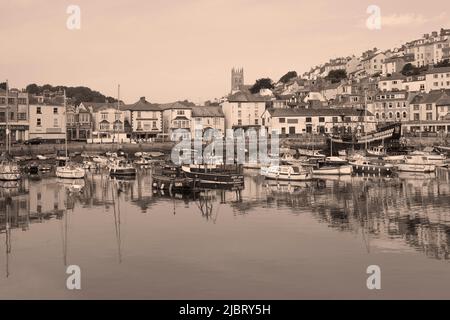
416,163
121,168
287,173
378,151
432,157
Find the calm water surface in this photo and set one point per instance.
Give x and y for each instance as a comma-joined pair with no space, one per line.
310,240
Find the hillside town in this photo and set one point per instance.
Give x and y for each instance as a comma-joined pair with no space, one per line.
410,84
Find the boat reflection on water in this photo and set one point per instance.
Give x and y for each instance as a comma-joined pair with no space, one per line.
412,210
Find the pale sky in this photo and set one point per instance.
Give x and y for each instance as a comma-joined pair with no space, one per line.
173,50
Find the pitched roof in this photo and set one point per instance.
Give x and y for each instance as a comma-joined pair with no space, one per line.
308,112
174,105
211,111
96,106
244,96
432,97
394,76
143,105
438,70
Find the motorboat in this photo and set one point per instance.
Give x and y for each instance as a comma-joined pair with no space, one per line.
121,168
70,171
364,166
288,173
416,163
377,151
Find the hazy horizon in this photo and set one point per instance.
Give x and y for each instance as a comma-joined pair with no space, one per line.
176,50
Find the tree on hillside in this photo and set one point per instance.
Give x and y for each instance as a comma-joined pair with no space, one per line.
263,83
288,76
411,70
336,76
33,88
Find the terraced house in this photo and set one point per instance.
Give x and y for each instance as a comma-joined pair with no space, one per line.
316,120
176,115
204,118
430,112
146,120
109,123
390,106
14,108
48,119
244,110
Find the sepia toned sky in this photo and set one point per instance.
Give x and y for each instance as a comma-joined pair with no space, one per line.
184,49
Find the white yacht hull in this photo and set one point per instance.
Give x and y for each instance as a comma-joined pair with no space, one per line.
70,173
334,170
409,167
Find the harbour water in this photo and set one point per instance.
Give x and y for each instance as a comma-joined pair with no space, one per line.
268,241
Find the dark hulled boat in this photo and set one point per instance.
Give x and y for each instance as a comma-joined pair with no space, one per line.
215,176
389,135
171,178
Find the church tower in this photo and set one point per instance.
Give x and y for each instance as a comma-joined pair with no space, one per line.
237,79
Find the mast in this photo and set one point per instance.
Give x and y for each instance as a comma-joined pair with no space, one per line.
117,112
7,119
65,131
365,114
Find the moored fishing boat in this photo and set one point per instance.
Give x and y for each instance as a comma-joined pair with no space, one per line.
171,178
367,167
287,173
121,168
215,175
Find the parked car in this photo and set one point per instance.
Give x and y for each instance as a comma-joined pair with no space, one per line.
33,141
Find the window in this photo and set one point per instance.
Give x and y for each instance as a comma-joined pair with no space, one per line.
398,115
292,120
55,110
308,119
38,110
435,84
422,87
55,123
239,122
104,116
138,114
154,124
321,119
282,120
404,115
429,116
22,116
416,107
390,115
180,112
38,122
429,107
335,119
239,114
256,121
416,116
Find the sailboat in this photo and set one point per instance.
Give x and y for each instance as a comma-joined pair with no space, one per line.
9,170
67,170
